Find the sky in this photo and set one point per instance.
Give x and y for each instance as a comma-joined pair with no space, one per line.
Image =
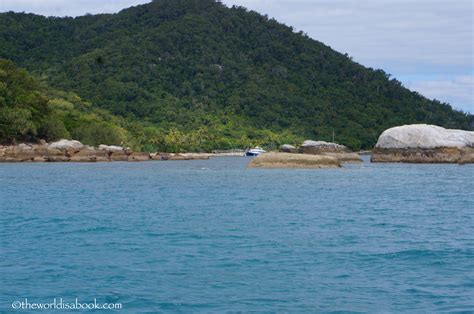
426,44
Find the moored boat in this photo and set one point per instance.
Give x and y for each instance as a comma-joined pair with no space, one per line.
254,152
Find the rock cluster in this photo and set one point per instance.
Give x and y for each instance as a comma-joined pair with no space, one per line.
65,150
321,148
421,143
75,151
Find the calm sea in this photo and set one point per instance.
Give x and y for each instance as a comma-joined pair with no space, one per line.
213,236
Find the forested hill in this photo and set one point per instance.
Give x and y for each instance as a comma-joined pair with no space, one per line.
230,75
30,111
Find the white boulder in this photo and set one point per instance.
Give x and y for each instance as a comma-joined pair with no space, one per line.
67,145
424,136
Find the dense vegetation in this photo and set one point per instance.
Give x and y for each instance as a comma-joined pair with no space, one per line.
196,75
30,111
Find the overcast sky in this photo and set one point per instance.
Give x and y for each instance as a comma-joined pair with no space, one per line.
426,44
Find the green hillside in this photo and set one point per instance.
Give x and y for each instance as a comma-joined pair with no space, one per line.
30,111
194,74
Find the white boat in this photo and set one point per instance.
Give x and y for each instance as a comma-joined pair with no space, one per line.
254,151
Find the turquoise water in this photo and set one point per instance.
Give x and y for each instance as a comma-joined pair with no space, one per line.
212,236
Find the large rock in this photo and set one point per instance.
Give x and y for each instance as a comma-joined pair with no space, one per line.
68,146
424,136
421,143
288,160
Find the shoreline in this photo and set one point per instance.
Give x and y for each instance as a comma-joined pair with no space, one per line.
75,151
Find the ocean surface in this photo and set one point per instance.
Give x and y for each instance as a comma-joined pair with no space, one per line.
213,236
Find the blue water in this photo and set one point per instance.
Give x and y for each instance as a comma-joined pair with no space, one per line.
213,236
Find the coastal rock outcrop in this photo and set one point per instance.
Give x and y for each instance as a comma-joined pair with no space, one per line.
75,151
63,151
288,160
421,143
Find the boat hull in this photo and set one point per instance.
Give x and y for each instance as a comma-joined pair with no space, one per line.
251,154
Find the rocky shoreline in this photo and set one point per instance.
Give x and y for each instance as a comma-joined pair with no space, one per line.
417,143
75,151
